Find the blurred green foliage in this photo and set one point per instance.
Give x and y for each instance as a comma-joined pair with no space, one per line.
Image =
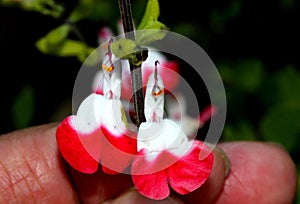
23,107
45,7
263,101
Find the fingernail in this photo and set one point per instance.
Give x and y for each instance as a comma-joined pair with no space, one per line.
226,160
223,155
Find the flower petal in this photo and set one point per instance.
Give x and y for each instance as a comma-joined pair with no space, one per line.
90,111
149,175
76,152
151,172
190,172
154,186
113,116
157,137
117,151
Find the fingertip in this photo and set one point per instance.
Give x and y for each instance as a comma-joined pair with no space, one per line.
31,167
260,172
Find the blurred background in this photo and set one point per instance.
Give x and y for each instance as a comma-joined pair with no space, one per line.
254,44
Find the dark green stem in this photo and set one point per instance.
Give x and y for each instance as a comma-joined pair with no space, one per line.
136,72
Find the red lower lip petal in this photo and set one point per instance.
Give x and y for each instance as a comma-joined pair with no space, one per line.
72,149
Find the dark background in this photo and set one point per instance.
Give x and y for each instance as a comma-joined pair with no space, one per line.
262,30
251,42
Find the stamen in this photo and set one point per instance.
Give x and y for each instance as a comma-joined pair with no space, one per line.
156,90
108,68
160,92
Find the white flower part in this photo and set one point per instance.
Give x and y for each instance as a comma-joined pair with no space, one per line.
165,135
158,134
113,117
113,113
112,80
154,98
176,110
96,110
97,85
88,116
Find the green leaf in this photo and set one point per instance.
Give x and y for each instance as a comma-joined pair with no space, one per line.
92,10
146,37
242,131
151,14
245,75
72,48
23,108
152,28
49,7
281,87
51,42
249,74
81,11
56,43
282,125
45,7
288,85
122,48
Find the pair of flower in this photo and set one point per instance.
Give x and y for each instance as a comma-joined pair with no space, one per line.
159,154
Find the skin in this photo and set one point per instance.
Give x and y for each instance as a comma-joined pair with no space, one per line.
32,170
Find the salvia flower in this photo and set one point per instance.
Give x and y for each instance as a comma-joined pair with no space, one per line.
166,157
98,132
160,156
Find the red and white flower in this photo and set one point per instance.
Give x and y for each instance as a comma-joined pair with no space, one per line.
161,155
166,157
98,132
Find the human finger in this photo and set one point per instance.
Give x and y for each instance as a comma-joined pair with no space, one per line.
31,169
260,173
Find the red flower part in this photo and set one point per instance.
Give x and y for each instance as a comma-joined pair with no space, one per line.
166,158
98,132
79,149
86,139
184,174
207,113
117,151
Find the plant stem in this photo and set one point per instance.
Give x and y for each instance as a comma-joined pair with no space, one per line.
136,72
